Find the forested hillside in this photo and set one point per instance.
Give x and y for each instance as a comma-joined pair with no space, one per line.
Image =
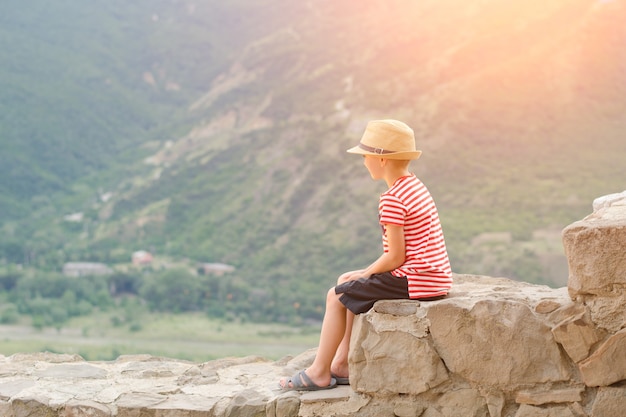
216,132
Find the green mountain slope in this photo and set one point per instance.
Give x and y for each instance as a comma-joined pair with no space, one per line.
83,85
218,133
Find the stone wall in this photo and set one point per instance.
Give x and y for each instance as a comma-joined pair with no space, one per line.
493,348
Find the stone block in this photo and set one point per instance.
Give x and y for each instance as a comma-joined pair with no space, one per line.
548,396
84,408
185,405
247,403
339,402
286,405
577,334
382,344
465,402
407,409
526,410
596,253
609,200
608,312
13,388
496,343
595,248
607,365
82,370
132,404
610,401
37,405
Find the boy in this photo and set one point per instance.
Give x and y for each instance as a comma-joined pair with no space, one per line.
414,263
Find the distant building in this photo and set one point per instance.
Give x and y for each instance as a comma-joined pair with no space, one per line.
79,269
141,258
74,217
215,269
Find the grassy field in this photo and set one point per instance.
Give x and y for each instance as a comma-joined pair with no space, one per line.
185,336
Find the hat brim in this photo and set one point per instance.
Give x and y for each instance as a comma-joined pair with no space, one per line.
394,155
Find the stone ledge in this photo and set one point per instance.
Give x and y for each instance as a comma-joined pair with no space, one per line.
481,348
493,348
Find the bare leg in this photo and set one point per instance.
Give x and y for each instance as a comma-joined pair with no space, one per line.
333,331
339,366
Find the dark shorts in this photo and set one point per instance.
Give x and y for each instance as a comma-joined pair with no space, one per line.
360,295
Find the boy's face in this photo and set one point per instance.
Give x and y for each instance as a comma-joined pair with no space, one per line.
374,165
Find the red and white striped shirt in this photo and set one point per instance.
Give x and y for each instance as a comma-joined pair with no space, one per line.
408,203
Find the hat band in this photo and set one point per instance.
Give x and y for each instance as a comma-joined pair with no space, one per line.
379,151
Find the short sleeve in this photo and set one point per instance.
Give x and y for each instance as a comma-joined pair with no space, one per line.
391,210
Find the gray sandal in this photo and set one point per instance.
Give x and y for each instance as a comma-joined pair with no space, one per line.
341,380
301,382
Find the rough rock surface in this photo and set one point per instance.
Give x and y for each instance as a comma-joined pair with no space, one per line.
493,348
596,253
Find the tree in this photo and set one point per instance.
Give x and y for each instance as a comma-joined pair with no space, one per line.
173,290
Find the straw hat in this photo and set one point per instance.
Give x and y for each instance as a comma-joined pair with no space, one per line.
389,139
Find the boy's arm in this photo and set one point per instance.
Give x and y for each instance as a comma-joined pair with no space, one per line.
395,255
388,261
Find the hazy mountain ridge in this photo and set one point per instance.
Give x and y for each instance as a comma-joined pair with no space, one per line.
246,163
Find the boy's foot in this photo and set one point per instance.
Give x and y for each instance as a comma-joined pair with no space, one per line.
340,371
301,382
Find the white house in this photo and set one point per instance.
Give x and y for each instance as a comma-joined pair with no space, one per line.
79,269
216,268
